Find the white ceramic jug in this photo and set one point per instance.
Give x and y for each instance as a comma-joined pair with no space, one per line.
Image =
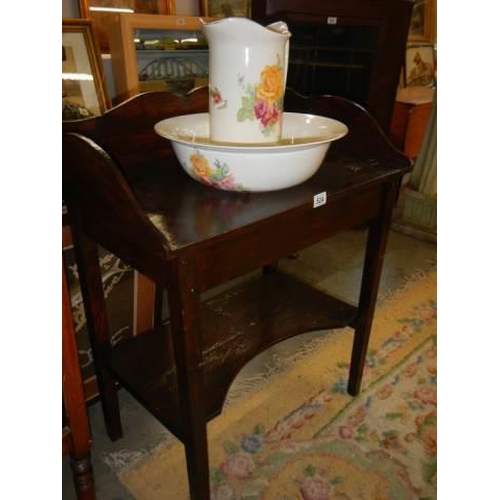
247,77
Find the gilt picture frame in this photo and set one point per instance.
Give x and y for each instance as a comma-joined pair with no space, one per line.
423,21
419,65
83,84
225,8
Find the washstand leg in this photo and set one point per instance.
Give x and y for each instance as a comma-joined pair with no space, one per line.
183,301
89,274
378,233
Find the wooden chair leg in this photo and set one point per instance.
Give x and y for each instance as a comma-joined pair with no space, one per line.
76,428
374,258
97,324
83,476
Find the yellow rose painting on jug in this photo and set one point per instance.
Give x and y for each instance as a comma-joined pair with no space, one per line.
264,101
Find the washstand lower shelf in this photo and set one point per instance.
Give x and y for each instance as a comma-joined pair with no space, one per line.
236,325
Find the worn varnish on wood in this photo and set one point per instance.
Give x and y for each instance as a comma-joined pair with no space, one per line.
126,192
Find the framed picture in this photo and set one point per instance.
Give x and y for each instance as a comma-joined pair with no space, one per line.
225,8
101,10
153,52
83,86
419,66
423,21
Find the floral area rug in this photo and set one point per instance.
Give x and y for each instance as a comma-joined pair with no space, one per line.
303,437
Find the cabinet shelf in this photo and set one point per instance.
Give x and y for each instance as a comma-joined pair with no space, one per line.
236,325
323,64
342,50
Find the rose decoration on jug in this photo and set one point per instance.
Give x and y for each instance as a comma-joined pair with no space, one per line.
264,101
247,79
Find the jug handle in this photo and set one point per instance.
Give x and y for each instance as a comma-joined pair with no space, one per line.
287,49
282,27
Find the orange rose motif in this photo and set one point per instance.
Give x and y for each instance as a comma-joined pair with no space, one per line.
271,84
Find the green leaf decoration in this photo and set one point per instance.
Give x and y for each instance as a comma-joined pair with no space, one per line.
216,476
429,471
309,471
259,429
393,415
245,114
230,447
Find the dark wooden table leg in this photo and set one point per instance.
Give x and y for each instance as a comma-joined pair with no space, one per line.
378,233
184,319
97,324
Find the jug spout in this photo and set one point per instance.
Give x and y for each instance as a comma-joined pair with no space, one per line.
279,27
248,65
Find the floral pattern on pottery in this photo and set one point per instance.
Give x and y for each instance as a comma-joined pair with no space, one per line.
217,175
264,101
216,96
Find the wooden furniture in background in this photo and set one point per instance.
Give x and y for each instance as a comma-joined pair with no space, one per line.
90,9
409,119
76,439
126,191
348,48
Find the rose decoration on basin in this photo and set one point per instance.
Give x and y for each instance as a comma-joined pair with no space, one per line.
260,167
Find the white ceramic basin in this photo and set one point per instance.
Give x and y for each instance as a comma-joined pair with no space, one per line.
257,167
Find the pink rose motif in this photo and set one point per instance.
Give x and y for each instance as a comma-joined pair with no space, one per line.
314,488
238,465
217,97
267,114
346,432
426,394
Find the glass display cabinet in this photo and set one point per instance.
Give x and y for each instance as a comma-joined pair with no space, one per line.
154,52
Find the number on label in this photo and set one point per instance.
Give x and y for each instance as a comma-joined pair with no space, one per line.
319,199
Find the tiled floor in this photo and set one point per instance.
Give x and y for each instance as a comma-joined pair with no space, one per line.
334,265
